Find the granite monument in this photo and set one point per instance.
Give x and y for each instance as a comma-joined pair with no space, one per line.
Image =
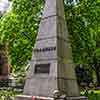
51,65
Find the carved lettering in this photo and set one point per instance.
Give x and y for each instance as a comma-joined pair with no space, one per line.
45,49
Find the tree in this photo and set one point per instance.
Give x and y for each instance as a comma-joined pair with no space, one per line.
19,26
84,28
84,74
18,30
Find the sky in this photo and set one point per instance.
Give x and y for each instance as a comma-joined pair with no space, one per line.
4,5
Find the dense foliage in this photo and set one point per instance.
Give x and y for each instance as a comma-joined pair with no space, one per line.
91,94
18,29
84,28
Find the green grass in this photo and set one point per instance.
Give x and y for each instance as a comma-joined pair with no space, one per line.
8,92
89,91
91,94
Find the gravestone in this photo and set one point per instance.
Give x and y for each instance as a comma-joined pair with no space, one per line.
51,66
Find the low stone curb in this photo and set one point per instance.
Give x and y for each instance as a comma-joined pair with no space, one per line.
25,97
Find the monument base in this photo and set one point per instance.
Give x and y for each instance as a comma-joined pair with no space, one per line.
25,97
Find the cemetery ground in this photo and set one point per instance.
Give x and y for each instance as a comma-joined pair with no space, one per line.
9,93
19,35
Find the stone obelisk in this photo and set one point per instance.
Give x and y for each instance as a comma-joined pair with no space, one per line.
51,66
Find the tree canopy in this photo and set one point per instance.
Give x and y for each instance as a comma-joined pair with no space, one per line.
18,29
84,28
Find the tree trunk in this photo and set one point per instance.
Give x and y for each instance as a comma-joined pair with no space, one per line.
97,69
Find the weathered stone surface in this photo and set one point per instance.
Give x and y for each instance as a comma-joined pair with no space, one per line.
53,7
52,48
47,28
45,89
52,34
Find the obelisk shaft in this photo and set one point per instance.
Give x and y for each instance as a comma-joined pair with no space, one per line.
51,66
